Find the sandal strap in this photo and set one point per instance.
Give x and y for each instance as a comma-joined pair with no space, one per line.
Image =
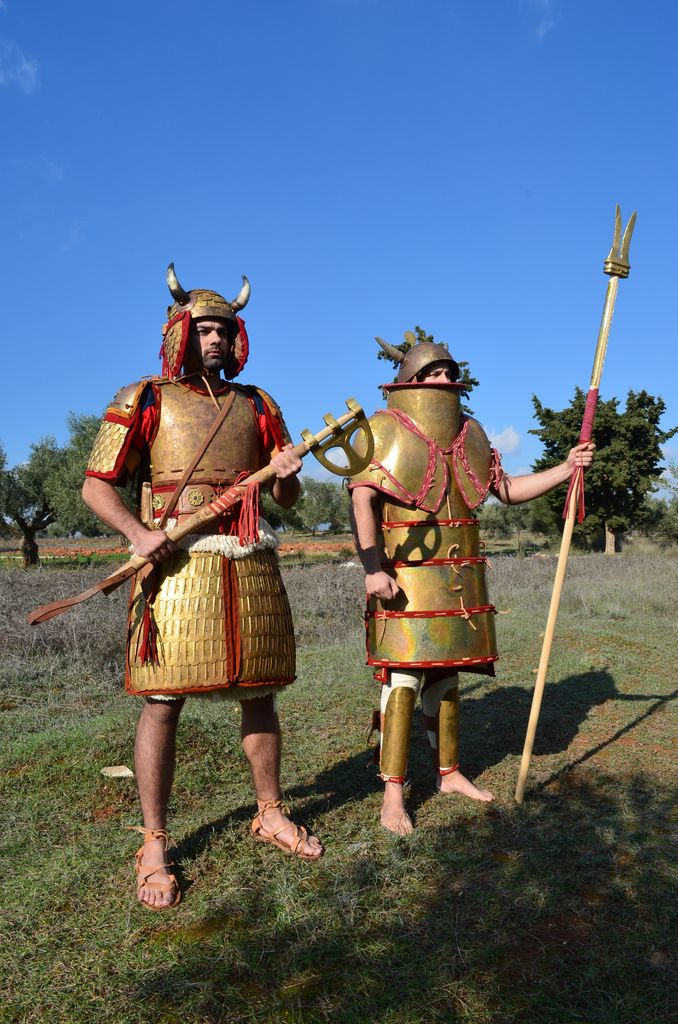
145,872
270,805
150,834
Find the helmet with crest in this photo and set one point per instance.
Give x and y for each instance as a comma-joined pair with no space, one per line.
192,305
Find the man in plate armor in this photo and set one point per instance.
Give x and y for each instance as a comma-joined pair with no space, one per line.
428,616
208,615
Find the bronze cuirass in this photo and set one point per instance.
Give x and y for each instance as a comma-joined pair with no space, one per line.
186,415
432,467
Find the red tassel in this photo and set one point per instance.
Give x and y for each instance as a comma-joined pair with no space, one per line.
248,518
577,475
148,651
578,472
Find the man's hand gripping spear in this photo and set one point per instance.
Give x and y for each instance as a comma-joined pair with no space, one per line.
616,266
339,434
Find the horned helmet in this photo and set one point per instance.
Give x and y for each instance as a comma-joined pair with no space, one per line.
417,357
190,306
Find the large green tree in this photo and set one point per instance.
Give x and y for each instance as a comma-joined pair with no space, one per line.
626,467
64,483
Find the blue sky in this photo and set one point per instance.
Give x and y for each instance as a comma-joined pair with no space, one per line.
369,164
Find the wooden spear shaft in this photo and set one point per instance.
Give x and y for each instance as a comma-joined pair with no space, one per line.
616,266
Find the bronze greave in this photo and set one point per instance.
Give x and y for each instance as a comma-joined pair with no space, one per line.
441,718
448,732
395,736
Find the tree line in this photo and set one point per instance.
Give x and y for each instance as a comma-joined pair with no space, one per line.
43,493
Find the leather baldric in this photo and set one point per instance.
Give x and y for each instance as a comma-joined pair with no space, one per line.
174,498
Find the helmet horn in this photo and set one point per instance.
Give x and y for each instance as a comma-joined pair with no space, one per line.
243,296
391,351
178,293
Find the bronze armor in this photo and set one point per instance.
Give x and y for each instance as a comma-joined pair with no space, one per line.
185,419
432,469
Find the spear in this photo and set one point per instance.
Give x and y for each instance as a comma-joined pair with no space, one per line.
339,434
615,266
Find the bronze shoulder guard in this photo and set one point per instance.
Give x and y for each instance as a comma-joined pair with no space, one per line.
406,467
126,401
414,471
112,444
475,463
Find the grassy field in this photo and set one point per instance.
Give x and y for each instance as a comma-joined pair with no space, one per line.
558,911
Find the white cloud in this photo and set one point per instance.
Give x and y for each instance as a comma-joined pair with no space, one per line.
16,68
544,11
506,440
50,170
74,236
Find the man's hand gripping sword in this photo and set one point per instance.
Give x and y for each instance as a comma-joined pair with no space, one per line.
616,266
338,434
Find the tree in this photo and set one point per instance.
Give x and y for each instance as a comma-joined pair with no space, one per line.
625,469
63,485
323,501
660,515
24,504
45,489
503,521
420,335
276,515
6,528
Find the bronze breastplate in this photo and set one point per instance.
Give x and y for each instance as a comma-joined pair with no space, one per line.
185,419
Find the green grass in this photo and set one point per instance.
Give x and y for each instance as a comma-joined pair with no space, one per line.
558,911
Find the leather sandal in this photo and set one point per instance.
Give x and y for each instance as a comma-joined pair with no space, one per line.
144,871
299,833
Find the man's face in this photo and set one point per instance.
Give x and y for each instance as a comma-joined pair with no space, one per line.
211,343
437,373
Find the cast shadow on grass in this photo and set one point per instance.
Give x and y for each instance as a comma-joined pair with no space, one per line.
532,914
351,780
492,728
494,725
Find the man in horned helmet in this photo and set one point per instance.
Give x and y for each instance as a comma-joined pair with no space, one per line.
428,616
210,616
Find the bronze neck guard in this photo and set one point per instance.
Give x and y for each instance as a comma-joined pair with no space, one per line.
434,408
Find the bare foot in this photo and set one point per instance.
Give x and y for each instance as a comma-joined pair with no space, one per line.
151,893
455,782
393,815
274,822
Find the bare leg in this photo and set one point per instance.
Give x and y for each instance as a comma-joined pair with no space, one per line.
261,744
394,817
154,755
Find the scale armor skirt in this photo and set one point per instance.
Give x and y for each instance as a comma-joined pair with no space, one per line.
219,622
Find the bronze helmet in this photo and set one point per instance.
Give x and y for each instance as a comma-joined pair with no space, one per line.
201,302
418,356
